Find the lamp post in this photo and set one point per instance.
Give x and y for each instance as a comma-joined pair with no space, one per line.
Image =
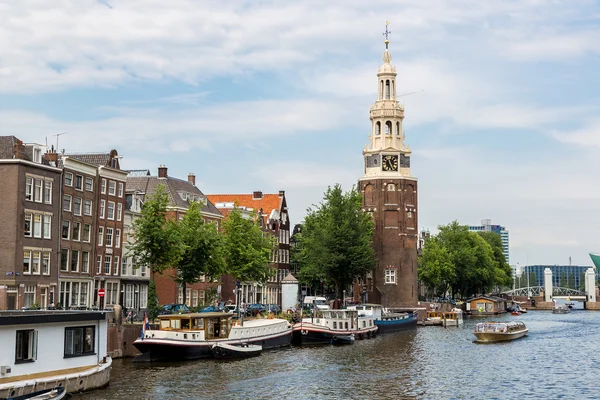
344,298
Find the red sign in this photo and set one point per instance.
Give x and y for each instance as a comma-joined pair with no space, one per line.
101,292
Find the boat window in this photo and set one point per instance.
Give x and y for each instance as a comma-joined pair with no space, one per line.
185,324
334,325
346,324
165,324
364,324
175,324
198,323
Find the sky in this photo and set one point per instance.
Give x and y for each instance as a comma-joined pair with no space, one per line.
275,95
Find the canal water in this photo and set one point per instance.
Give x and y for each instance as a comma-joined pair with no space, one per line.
559,359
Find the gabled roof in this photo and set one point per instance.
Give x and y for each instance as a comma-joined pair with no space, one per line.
266,202
98,159
289,279
148,184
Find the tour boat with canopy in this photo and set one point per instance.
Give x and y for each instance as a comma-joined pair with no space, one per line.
499,331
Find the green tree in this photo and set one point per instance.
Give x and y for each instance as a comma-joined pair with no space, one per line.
202,249
562,280
247,251
436,271
502,269
155,241
336,242
571,280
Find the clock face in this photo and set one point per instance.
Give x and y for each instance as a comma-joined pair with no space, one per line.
389,162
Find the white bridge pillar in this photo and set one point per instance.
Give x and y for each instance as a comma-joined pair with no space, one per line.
590,284
547,285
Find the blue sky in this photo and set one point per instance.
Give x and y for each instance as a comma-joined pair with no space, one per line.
275,95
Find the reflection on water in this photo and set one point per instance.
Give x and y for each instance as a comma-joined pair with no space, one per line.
559,359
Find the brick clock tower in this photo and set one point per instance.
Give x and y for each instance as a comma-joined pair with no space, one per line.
390,194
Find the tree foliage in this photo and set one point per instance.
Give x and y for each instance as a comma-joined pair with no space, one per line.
247,251
336,241
202,248
463,262
157,243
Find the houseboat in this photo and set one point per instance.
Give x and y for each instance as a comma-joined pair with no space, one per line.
192,336
499,331
486,305
453,317
333,327
387,320
44,350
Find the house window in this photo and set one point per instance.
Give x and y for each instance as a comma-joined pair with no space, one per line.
116,267
29,188
77,205
111,210
29,296
38,190
124,266
129,296
35,262
103,190
390,276
194,298
26,348
143,296
109,237
76,231
80,341
28,222
120,194
87,207
48,192
74,260
89,184
26,262
67,202
68,179
66,227
85,262
46,263
47,226
78,182
98,265
102,205
111,292
100,236
37,225
86,233
64,260
117,238
143,270
119,211
111,188
107,264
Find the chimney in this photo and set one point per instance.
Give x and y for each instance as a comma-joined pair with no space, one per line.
281,193
162,171
192,178
257,195
51,155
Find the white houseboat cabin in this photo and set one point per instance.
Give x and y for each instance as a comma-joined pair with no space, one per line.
44,349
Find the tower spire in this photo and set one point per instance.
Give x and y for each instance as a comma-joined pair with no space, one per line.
386,34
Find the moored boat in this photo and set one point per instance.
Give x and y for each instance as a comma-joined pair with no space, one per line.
192,336
229,351
56,393
499,331
453,318
331,326
561,309
387,320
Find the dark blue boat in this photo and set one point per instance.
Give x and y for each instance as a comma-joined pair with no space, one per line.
386,320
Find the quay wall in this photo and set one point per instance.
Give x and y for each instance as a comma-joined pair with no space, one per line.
121,336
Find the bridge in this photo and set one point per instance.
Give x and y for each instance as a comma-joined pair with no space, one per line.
550,292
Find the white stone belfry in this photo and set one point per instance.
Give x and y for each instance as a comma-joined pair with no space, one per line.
386,136
547,284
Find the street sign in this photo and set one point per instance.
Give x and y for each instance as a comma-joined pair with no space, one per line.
101,292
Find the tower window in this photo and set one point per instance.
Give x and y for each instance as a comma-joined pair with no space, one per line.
381,90
387,89
398,128
388,128
377,128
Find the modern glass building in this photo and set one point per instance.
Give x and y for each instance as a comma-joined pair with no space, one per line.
486,226
568,276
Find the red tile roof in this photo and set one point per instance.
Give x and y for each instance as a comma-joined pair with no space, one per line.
268,202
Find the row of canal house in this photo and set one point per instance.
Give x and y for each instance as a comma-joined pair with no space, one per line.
67,219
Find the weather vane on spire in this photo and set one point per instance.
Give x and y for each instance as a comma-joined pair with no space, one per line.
386,33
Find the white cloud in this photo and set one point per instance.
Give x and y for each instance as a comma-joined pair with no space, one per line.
588,136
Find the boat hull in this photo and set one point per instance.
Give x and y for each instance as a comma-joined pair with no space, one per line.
225,351
499,336
168,349
391,324
312,334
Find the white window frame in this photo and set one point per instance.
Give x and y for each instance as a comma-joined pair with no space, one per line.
107,263
112,188
89,184
28,218
27,265
69,198
85,262
47,220
75,210
87,207
68,260
117,238
109,237
120,190
101,236
46,263
38,222
102,206
29,188
38,190
119,211
48,192
110,210
98,264
117,265
62,226
68,179
80,177
89,231
103,187
78,238
391,277
73,253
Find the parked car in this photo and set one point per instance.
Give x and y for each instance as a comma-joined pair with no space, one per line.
254,309
212,309
274,308
174,309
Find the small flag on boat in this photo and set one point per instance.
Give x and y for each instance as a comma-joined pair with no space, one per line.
145,325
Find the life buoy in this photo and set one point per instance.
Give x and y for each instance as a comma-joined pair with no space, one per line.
304,332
